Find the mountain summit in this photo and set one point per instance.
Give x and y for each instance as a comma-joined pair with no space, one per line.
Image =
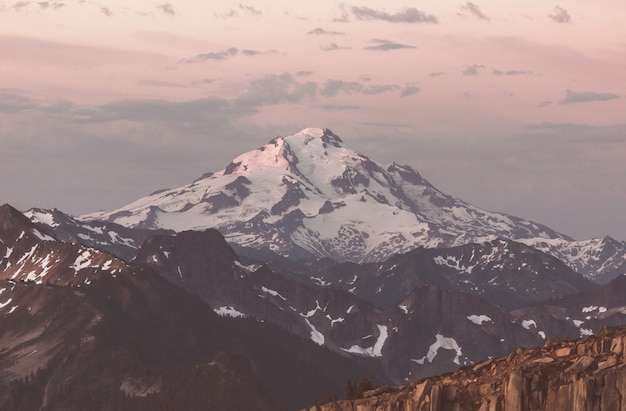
310,194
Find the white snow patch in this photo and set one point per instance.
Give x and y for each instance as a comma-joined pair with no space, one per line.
404,308
316,336
272,292
479,319
585,331
9,252
334,320
41,236
528,323
107,265
376,349
4,304
349,310
82,261
249,268
542,334
320,281
12,309
577,323
602,309
229,311
590,308
446,343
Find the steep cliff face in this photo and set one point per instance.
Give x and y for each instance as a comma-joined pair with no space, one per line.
587,374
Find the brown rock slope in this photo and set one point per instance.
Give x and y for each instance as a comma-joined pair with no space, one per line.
588,374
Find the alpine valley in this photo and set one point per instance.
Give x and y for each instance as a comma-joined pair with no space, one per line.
299,269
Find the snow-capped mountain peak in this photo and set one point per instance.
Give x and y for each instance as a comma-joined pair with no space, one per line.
311,194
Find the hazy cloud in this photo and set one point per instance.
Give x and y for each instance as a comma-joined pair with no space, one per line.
339,107
573,97
106,11
497,72
215,56
387,45
20,5
409,91
475,10
407,15
50,5
276,89
321,32
333,87
334,46
303,73
472,69
167,8
436,74
379,89
560,15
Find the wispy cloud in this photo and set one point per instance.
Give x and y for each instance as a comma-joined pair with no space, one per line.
560,15
474,9
387,45
166,8
246,9
226,15
106,11
321,32
472,69
436,74
250,10
406,15
497,72
334,46
214,56
573,97
252,53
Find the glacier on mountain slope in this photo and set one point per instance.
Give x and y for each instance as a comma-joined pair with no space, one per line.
311,193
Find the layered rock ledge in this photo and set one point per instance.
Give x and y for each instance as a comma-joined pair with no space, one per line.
587,374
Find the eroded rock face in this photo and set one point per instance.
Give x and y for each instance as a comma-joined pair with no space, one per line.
587,374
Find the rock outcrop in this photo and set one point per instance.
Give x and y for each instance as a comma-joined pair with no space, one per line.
588,374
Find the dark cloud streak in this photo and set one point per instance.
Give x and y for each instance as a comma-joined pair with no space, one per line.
387,45
321,32
407,15
333,47
573,97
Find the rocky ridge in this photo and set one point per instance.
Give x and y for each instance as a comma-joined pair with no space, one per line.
587,374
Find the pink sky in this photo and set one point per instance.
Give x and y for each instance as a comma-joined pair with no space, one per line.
514,106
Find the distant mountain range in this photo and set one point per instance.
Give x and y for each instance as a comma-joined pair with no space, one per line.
300,266
310,195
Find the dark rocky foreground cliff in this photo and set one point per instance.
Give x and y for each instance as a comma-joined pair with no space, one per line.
588,374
